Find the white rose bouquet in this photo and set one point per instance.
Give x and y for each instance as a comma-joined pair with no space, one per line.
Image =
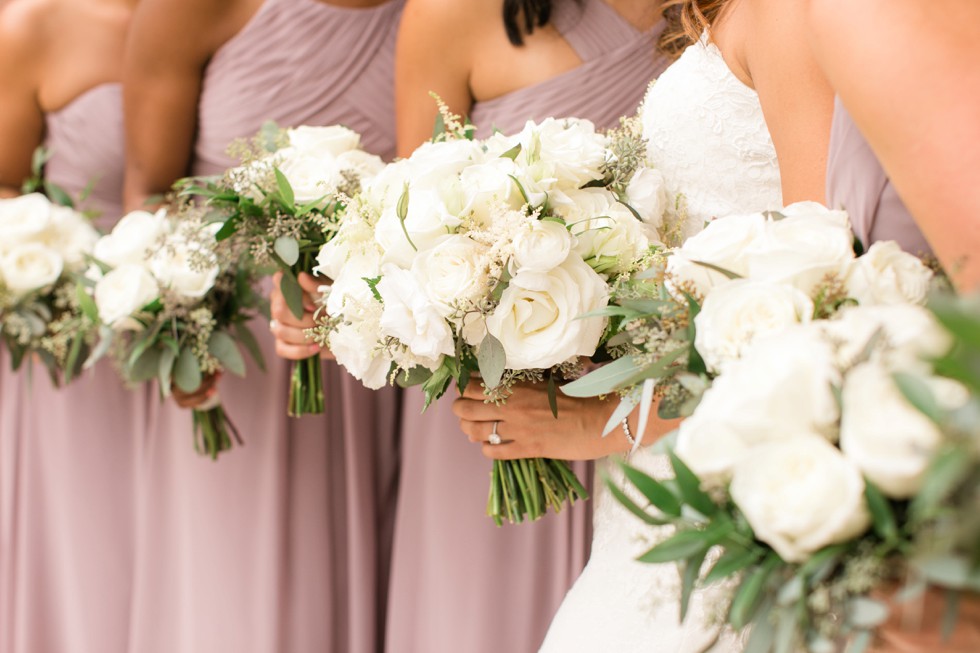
171,303
42,246
283,203
489,257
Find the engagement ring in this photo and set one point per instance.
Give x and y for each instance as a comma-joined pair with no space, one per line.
494,438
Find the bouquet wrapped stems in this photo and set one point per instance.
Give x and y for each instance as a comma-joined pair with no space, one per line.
524,488
213,431
306,387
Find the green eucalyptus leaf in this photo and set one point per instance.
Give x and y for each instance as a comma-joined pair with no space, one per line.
187,371
491,358
680,546
864,613
761,637
57,194
919,394
145,366
512,153
247,338
285,190
165,369
690,488
292,292
604,380
626,405
86,303
654,491
415,376
223,347
882,515
288,249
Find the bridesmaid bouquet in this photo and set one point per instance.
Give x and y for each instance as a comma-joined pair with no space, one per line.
804,459
172,304
283,203
42,246
491,257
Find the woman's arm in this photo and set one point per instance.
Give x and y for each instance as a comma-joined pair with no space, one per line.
21,117
908,73
166,54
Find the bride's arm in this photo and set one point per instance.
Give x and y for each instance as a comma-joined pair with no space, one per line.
529,429
907,72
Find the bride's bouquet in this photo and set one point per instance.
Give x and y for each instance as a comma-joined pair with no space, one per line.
804,457
491,257
171,303
42,246
283,204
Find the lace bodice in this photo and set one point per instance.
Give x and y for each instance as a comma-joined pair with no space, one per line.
707,135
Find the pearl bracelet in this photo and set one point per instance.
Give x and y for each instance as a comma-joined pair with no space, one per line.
629,434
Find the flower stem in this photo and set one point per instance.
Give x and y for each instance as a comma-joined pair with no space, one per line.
306,388
213,432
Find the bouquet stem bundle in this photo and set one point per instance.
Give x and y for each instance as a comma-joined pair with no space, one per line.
528,486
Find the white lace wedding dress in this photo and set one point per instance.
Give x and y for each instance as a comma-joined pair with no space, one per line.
708,137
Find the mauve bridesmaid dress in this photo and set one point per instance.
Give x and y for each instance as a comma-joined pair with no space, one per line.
281,545
67,456
857,183
459,583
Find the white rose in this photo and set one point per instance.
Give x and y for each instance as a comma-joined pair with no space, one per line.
311,177
909,334
185,268
355,343
123,292
735,314
886,437
453,272
541,246
433,214
29,267
806,247
782,386
568,150
329,141
723,244
412,317
887,275
800,495
133,239
489,184
607,235
23,219
647,194
537,317
72,235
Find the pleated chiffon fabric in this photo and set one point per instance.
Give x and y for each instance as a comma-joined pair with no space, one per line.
857,183
459,583
68,455
281,544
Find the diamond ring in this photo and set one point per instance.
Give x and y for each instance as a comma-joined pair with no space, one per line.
273,324
494,438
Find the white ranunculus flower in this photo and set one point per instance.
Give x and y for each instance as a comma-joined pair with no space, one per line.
782,386
569,150
411,316
647,194
541,246
29,267
329,141
433,215
454,271
122,292
887,275
537,317
803,249
722,243
909,335
800,495
133,239
23,219
355,343
607,235
735,314
71,234
185,268
886,437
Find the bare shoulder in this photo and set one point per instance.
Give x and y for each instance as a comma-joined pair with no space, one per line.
24,25
451,22
165,23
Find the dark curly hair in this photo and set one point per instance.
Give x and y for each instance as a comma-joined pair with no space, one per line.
522,17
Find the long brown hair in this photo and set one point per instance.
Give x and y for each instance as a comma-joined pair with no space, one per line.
686,20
